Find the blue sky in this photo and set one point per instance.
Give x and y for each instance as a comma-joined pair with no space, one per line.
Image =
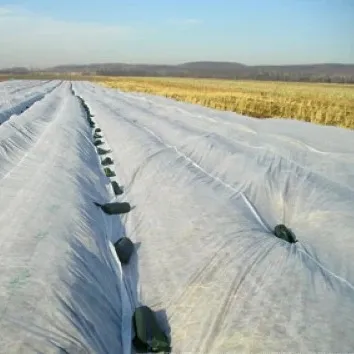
43,33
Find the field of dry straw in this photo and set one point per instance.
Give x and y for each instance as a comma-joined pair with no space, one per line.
328,104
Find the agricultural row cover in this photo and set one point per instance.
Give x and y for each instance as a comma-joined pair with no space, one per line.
208,189
15,98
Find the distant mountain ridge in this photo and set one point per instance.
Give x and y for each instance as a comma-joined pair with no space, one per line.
212,65
330,72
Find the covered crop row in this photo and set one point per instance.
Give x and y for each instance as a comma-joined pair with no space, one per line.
61,289
20,133
15,103
208,196
11,87
148,336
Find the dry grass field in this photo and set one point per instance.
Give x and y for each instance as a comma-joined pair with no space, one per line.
328,104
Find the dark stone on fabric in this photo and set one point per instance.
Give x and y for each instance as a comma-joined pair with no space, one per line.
109,172
124,249
107,161
117,189
98,130
115,208
98,142
101,151
149,337
281,231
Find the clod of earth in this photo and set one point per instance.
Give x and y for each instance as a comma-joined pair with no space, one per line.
98,142
115,208
124,249
109,172
149,336
117,189
281,231
107,161
101,151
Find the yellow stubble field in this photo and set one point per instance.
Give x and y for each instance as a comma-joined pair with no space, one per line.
327,104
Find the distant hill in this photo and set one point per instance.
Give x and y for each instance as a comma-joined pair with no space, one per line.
331,72
212,65
15,70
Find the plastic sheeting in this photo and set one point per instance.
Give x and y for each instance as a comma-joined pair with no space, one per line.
17,96
11,87
60,284
209,188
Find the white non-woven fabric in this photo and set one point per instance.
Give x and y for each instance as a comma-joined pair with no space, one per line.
11,87
209,188
60,285
16,98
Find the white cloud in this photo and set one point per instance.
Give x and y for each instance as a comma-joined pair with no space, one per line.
31,39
